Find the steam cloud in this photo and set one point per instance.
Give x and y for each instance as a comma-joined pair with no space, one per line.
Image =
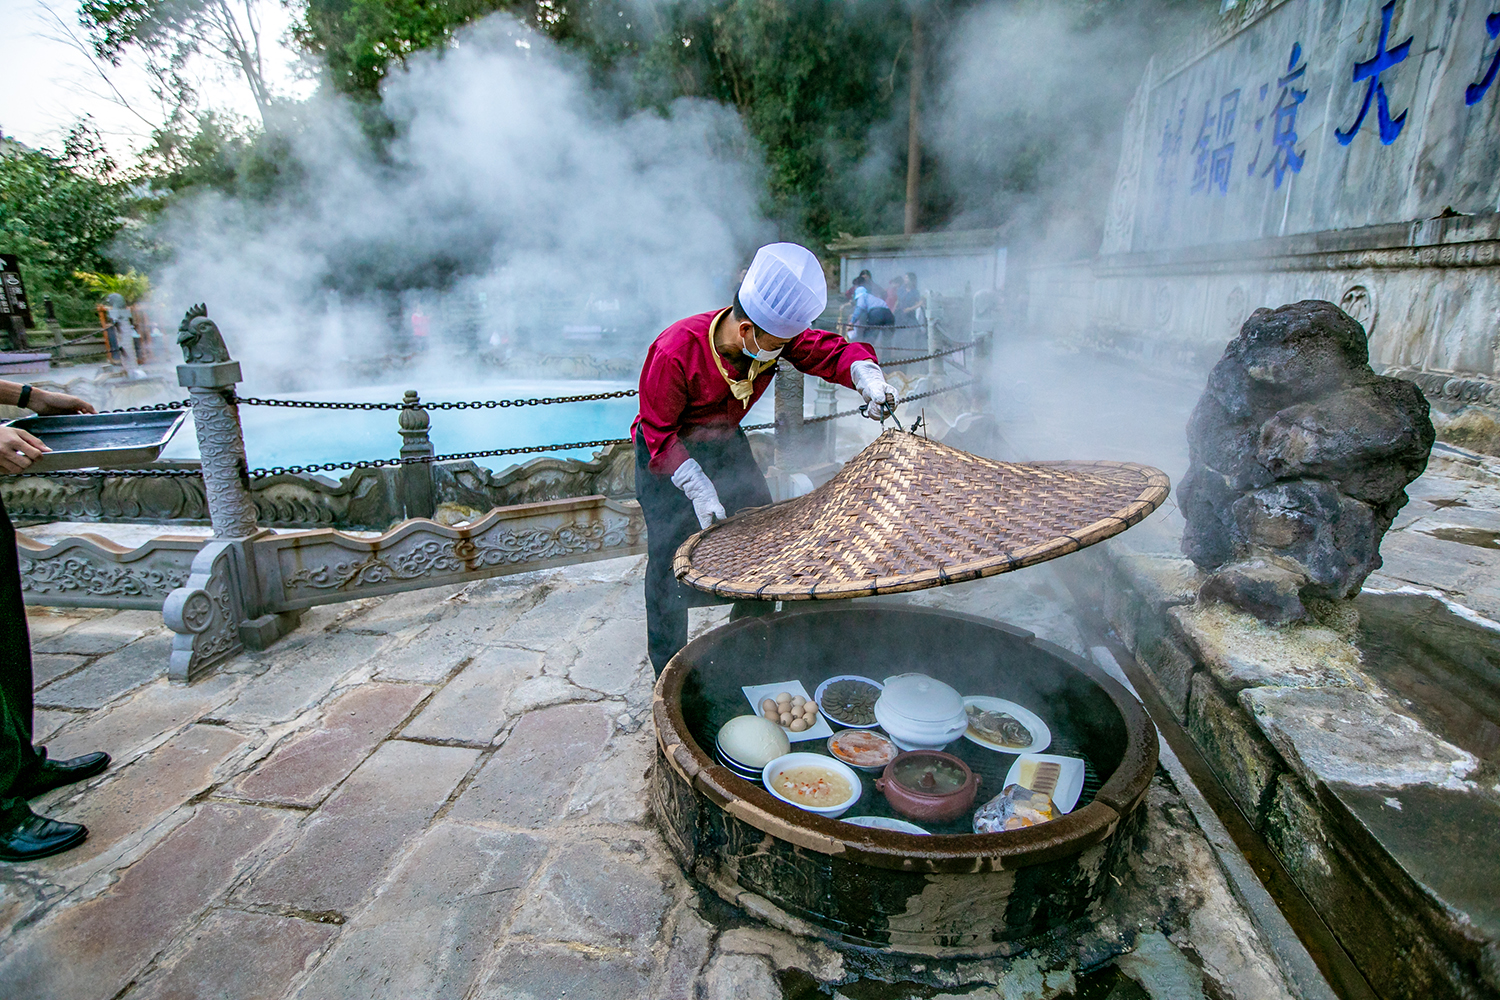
1031,100
509,181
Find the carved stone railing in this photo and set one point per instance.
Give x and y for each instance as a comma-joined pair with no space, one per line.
366,499
1453,388
93,572
303,569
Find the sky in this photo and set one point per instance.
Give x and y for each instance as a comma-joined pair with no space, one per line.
53,81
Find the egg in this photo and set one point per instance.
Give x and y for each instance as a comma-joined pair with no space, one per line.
753,741
786,718
783,699
769,705
798,701
798,725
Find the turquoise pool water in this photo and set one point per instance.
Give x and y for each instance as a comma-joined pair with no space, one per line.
282,436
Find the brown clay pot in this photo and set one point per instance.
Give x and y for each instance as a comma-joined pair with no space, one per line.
920,805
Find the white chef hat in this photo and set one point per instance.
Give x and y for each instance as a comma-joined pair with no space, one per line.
784,290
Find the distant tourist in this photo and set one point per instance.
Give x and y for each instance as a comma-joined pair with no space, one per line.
866,279
702,374
25,771
909,301
871,314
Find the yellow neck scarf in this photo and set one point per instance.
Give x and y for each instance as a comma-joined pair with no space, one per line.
742,388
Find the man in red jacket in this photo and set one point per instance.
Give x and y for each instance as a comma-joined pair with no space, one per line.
701,376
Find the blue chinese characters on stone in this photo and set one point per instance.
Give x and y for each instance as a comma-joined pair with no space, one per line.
1385,58
1171,148
1203,150
1284,121
1224,153
1213,151
1475,92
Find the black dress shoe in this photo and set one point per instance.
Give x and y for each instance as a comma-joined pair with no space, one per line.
52,774
25,836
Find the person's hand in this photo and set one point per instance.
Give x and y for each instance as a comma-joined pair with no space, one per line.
18,450
880,395
52,404
694,482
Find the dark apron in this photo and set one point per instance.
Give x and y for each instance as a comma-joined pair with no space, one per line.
16,753
670,521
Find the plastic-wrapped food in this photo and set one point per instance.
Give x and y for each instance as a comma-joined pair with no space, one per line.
1013,809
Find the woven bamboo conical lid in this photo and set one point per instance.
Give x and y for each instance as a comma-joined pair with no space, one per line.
908,513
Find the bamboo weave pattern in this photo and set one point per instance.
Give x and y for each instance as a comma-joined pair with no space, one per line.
908,513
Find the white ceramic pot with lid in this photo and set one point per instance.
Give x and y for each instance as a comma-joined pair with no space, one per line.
919,712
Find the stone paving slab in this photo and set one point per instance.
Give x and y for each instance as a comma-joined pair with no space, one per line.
45,723
238,955
1347,736
127,801
528,971
96,636
450,899
47,667
1241,652
108,677
94,948
612,656
44,623
349,844
1442,838
527,783
599,894
301,679
302,771
145,718
471,708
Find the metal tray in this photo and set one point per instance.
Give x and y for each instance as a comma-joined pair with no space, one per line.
101,440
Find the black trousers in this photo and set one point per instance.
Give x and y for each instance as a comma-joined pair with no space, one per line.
670,521
17,756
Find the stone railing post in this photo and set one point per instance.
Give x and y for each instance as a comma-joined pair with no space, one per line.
825,403
414,489
55,327
791,432
934,338
216,613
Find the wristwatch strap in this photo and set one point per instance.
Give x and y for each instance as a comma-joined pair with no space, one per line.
25,395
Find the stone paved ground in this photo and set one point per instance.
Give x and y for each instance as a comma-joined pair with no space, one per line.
443,794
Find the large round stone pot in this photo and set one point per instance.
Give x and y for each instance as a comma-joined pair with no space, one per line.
955,894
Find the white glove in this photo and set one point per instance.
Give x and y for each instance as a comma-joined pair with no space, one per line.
880,395
693,481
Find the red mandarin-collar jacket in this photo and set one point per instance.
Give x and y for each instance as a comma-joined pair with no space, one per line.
683,393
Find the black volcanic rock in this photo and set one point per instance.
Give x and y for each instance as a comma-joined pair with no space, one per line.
1299,460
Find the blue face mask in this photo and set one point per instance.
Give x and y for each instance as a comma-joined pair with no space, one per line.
757,354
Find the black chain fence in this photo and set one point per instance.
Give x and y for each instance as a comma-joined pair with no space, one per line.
904,400
292,470
479,404
928,357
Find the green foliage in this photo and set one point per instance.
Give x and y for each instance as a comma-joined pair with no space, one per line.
132,286
821,84
362,39
58,213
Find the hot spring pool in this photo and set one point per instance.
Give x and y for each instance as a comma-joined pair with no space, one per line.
279,436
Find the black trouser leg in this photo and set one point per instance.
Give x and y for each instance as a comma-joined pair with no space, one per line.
670,521
16,753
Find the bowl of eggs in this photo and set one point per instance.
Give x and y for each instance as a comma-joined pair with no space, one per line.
791,711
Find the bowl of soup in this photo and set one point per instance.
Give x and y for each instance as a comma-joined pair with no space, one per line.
928,785
813,782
